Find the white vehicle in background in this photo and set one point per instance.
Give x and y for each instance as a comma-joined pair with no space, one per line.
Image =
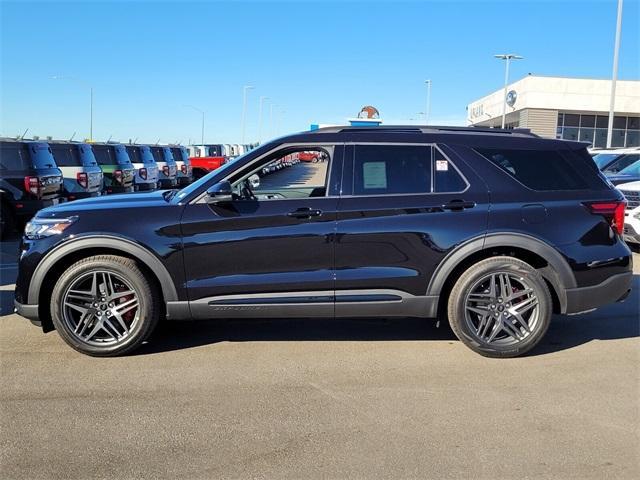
82,177
631,192
145,167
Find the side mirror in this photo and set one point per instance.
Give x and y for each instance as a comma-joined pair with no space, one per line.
254,181
219,193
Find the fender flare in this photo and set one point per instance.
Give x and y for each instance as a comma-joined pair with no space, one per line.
92,241
559,275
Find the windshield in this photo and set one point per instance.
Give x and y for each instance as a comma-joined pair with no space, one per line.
633,169
41,155
603,159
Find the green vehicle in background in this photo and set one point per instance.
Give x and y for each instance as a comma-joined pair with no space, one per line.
117,169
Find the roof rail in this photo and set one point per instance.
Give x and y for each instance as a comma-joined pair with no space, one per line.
424,129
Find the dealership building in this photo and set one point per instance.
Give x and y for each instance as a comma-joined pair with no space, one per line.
569,108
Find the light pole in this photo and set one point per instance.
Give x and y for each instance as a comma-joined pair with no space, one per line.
262,99
202,113
426,113
245,89
614,76
271,106
86,85
508,57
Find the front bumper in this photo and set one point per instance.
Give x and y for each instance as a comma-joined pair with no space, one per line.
614,289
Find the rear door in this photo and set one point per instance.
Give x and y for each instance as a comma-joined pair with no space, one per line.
404,207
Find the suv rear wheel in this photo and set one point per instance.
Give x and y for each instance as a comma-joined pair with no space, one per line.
500,307
104,306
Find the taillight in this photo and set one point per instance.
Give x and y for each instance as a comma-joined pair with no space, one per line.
83,179
117,176
32,185
612,211
165,170
143,173
183,168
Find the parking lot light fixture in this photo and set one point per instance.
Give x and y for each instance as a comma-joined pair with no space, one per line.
507,57
202,113
428,110
245,89
614,76
262,100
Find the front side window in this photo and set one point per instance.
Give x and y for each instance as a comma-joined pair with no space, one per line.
290,173
392,169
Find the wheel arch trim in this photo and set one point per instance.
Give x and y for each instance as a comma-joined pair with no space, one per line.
115,243
565,278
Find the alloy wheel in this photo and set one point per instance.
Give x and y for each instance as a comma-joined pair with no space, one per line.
100,308
502,309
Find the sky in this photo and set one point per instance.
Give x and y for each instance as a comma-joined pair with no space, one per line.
317,61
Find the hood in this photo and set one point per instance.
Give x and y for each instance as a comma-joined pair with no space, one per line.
107,202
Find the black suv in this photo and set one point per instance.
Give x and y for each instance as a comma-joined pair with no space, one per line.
494,230
29,180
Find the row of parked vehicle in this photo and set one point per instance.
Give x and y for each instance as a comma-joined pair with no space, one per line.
36,174
622,168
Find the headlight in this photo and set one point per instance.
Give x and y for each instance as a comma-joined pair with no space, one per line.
45,227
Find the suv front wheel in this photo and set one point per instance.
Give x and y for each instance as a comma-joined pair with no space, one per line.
104,306
500,307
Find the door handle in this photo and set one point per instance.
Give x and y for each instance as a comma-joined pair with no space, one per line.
305,213
458,205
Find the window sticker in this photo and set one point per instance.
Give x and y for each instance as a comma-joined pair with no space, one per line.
374,174
442,166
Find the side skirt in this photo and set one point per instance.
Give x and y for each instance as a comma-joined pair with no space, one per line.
321,304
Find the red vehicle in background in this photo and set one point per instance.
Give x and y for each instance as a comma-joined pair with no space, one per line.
206,158
308,156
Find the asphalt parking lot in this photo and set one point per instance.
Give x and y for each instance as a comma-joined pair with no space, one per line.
322,399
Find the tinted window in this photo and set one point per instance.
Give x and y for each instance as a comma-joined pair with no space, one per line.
66,155
158,156
391,169
13,156
134,154
622,162
604,159
633,169
41,156
103,155
145,153
544,169
168,156
445,176
121,155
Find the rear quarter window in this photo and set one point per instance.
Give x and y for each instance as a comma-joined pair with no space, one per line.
546,169
66,155
103,155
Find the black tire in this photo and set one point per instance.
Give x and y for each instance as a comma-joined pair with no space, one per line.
8,224
146,314
475,329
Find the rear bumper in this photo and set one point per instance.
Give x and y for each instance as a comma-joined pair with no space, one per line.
184,180
168,182
613,289
120,189
78,195
30,207
30,312
146,186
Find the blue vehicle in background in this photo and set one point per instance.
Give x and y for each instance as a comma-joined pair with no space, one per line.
631,173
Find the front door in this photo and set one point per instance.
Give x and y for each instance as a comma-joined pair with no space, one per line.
269,251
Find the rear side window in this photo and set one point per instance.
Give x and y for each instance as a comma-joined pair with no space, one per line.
392,169
545,169
13,157
66,155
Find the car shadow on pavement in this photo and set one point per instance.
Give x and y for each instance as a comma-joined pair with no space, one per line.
613,322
